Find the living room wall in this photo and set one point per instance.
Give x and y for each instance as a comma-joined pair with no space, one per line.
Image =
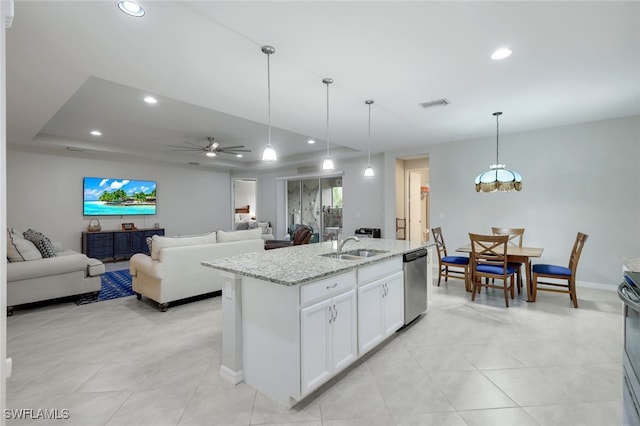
582,177
44,192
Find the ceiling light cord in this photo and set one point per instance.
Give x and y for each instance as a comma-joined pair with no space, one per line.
327,82
369,136
497,114
269,96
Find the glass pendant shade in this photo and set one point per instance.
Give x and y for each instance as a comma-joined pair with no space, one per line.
498,178
269,152
368,171
327,164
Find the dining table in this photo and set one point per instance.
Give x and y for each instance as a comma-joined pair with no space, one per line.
517,254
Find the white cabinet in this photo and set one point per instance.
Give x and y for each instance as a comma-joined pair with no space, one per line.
380,310
328,339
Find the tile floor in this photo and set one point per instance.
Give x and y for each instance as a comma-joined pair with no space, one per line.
122,362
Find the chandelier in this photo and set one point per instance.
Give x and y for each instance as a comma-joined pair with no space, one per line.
498,178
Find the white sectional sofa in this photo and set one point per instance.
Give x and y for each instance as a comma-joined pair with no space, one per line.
32,278
174,272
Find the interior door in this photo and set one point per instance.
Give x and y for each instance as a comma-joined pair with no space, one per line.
415,208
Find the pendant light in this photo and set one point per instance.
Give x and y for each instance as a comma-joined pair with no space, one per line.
327,163
368,171
269,152
498,178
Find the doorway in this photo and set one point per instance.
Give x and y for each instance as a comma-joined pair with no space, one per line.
412,198
244,200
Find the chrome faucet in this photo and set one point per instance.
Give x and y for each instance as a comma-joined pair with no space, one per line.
342,243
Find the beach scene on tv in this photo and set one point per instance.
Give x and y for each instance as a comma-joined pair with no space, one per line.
104,196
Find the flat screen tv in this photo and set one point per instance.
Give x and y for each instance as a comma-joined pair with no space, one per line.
118,197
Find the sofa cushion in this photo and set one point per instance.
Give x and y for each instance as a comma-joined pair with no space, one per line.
227,237
20,249
159,242
43,244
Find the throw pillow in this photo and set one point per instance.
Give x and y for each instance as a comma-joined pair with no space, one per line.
149,243
242,226
245,216
265,227
20,249
227,237
42,243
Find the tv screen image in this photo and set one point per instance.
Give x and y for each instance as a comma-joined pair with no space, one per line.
118,197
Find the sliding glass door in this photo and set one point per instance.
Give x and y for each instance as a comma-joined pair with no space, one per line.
317,203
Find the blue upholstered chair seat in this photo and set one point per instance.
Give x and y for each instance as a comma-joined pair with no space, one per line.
495,269
552,270
459,260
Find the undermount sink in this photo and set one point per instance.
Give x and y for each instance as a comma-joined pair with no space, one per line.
364,252
354,254
343,256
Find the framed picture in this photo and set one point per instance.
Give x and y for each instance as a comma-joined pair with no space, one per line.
128,227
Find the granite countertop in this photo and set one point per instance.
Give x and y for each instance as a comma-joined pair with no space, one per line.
299,264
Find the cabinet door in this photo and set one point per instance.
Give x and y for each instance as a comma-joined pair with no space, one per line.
122,243
315,333
344,336
393,303
370,316
137,242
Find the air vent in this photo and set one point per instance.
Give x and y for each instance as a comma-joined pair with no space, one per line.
439,102
74,148
193,163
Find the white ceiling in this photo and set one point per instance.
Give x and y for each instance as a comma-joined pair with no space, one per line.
76,66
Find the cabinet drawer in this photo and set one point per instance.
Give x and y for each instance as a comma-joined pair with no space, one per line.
327,287
100,253
379,270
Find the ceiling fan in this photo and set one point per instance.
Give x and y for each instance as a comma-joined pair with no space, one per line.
211,149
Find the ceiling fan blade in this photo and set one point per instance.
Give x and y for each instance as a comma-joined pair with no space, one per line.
182,148
233,151
193,144
230,148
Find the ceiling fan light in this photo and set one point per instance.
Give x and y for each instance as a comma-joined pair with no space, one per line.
368,171
211,154
269,154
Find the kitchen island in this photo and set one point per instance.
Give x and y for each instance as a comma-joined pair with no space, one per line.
295,317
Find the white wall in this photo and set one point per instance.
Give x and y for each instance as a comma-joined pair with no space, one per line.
45,193
576,178
3,215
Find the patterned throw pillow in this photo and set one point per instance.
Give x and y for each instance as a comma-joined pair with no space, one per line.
149,242
42,243
20,249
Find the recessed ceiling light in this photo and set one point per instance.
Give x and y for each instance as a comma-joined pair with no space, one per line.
311,141
501,53
96,133
239,155
150,100
131,8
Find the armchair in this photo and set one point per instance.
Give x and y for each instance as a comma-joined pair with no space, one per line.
301,235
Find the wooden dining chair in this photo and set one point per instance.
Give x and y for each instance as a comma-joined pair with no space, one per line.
460,264
561,273
489,261
516,235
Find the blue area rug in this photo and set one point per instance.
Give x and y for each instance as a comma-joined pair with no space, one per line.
115,284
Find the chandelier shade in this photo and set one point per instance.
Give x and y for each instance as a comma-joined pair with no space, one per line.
498,178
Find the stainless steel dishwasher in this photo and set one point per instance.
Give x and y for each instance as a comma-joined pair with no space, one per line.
414,265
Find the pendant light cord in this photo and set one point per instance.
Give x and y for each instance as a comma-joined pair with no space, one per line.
497,138
327,119
369,137
269,95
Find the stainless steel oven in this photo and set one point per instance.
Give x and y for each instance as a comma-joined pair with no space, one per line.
629,292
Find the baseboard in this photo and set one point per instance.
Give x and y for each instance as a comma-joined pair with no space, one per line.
233,377
597,286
